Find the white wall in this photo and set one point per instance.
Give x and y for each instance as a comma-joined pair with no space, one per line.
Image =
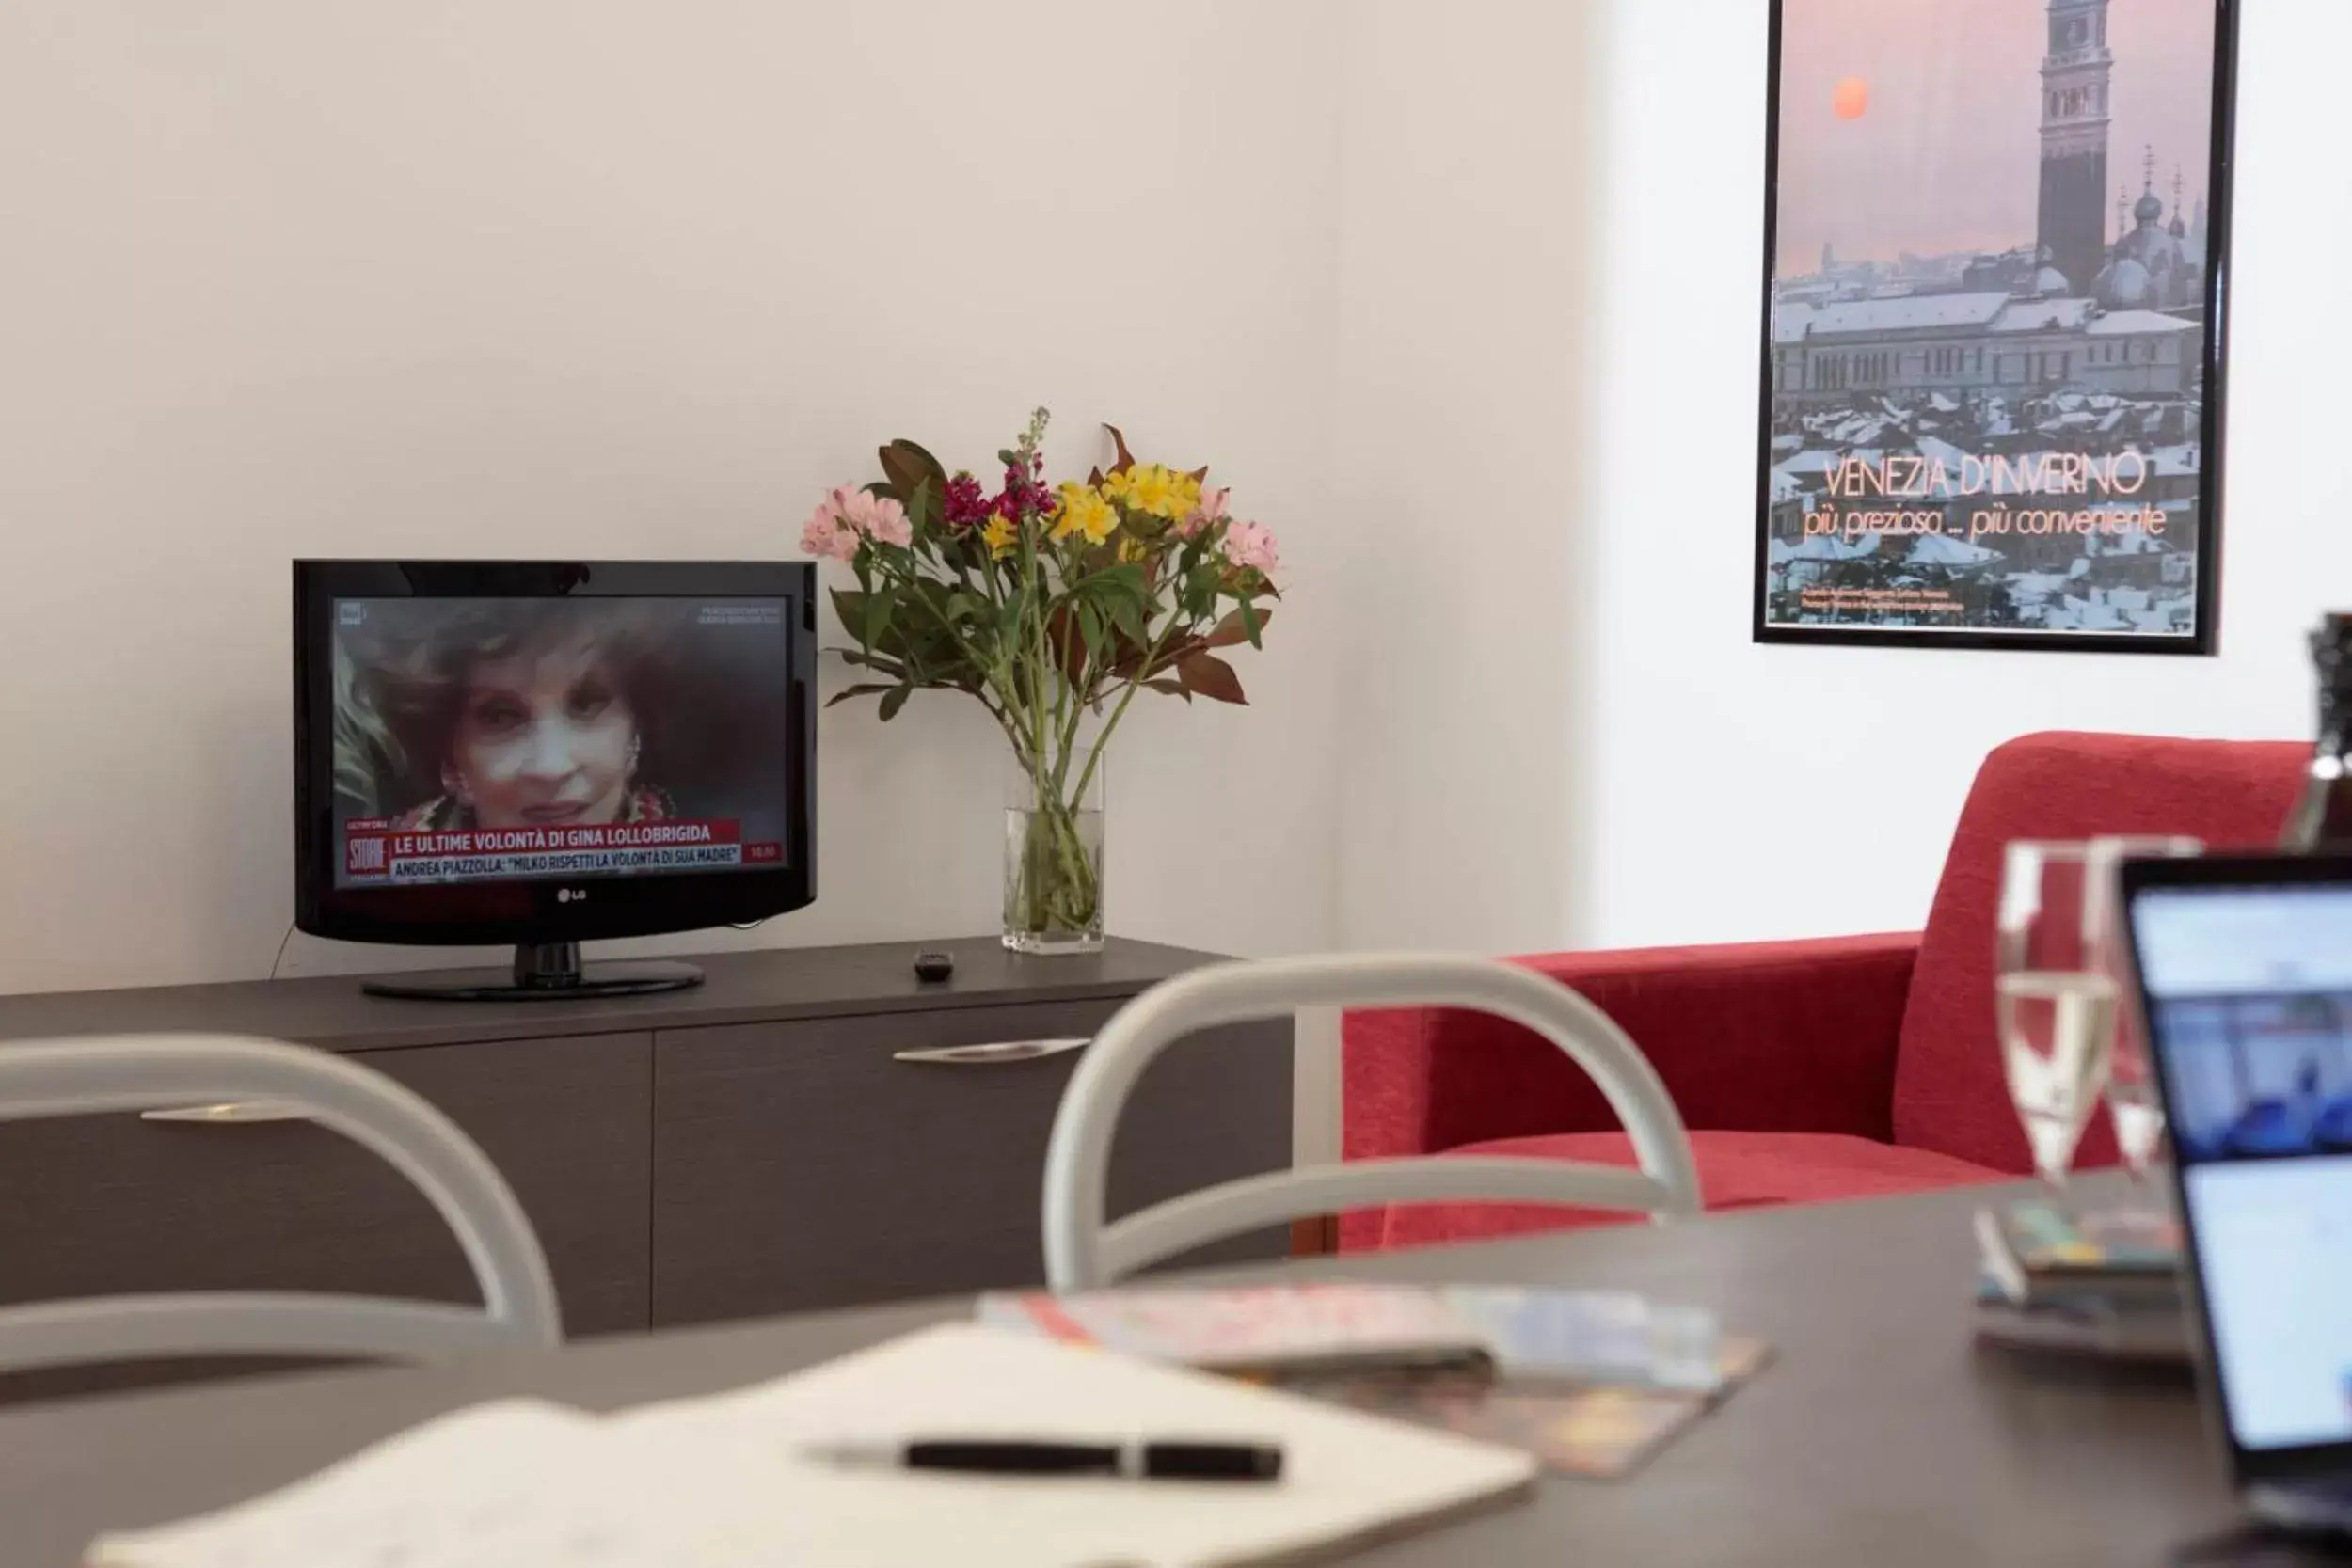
592,277
1468,326
1741,791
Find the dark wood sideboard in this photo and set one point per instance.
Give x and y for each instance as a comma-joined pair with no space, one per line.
754,1146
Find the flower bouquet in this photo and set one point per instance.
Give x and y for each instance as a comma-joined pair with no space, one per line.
1052,606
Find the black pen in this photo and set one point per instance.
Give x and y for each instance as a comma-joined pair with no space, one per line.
1145,1459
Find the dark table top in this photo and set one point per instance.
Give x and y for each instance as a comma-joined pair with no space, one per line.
1880,1436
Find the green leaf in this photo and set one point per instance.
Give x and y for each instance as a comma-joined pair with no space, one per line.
1128,616
1125,579
1173,689
923,507
1128,600
849,604
963,607
1201,585
897,700
880,664
1252,623
866,688
878,612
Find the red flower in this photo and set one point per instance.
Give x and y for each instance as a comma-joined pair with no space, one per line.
966,505
1025,491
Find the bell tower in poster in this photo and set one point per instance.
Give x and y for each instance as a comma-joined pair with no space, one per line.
2077,75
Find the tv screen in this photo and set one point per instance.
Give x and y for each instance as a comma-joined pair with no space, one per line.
481,739
544,753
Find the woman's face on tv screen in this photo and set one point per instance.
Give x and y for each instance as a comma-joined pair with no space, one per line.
544,738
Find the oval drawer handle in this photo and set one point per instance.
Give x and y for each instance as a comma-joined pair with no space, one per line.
990,1056
230,1111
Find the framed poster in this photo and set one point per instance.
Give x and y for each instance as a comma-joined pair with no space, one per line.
1996,248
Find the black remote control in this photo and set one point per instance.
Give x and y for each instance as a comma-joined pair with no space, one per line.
932,968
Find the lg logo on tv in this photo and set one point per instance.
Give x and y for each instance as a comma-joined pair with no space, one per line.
571,895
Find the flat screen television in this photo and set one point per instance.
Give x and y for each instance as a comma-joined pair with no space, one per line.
550,753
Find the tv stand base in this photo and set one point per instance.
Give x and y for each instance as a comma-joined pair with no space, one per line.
543,972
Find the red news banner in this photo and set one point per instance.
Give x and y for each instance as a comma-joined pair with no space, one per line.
373,850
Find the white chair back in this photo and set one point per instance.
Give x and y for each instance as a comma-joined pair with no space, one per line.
102,1074
1081,1253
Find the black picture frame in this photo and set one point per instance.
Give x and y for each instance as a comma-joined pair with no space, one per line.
2203,638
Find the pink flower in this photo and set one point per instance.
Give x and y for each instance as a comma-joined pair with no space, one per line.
847,516
824,537
878,517
827,535
1251,546
1210,512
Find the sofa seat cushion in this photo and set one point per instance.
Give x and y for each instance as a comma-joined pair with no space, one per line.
1737,1170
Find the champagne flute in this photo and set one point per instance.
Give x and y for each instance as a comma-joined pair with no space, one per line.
2132,1102
2056,1008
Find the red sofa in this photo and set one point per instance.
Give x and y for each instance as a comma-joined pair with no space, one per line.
1806,1071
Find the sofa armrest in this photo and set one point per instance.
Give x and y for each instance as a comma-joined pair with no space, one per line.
1796,1036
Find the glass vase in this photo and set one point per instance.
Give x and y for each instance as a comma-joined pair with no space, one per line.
1054,851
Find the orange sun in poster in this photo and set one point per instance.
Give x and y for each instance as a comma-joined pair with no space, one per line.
1851,100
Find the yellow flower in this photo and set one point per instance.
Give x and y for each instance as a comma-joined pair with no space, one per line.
1084,511
1000,536
1152,489
1131,547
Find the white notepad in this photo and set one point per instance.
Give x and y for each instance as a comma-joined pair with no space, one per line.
719,1483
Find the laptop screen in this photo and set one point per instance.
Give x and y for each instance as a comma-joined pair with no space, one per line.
2249,1016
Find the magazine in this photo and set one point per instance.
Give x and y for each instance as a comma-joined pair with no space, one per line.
1592,1383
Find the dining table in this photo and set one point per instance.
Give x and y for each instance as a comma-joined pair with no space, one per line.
1880,1432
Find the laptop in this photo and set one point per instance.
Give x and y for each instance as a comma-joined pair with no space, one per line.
2245,973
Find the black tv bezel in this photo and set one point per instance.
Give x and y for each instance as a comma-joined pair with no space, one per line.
528,912
2251,871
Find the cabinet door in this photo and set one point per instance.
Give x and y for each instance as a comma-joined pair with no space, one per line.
802,1166
103,1205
